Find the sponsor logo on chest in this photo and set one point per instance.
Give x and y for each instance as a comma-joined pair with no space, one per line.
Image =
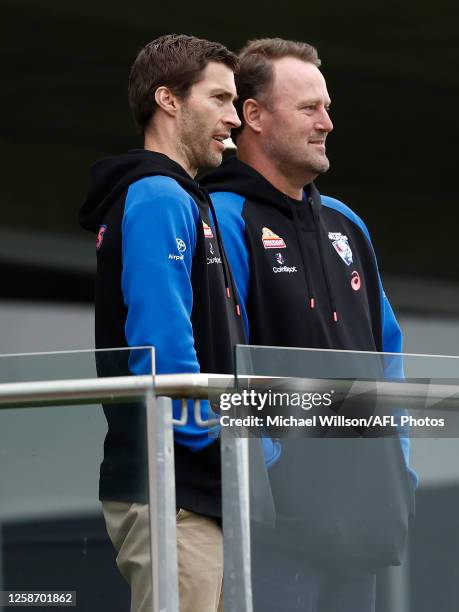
271,240
281,268
213,259
100,236
207,230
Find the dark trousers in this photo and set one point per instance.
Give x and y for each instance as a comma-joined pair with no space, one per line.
283,582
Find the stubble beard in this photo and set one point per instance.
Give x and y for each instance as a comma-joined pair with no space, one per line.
196,142
320,165
300,166
298,163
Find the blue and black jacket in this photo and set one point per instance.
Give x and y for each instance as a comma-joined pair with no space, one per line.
305,270
162,280
306,274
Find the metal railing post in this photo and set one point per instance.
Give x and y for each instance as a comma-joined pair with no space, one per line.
236,523
161,497
235,461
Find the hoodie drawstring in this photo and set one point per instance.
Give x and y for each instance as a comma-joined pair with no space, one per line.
307,276
323,262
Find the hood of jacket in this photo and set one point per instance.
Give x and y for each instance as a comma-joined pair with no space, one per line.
237,177
111,176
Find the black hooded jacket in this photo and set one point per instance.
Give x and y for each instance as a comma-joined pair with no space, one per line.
307,277
162,280
306,270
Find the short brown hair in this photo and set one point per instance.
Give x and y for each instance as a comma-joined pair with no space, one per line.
175,61
255,75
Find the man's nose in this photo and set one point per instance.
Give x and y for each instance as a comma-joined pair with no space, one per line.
324,123
232,119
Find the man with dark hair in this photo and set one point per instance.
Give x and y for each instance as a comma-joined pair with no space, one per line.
306,275
157,286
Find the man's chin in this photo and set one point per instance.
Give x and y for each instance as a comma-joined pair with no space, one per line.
212,161
322,166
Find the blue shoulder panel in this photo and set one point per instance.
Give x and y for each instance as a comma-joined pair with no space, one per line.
391,332
229,207
346,211
392,339
158,243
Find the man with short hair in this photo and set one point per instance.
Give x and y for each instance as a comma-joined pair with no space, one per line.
157,286
307,277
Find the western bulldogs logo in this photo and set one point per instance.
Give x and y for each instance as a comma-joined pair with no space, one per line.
341,246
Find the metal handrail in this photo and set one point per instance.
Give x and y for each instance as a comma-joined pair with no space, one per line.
197,386
234,450
106,389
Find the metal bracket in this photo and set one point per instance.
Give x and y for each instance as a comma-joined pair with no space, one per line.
200,422
198,419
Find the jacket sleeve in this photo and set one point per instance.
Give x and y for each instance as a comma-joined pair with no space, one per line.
158,243
392,342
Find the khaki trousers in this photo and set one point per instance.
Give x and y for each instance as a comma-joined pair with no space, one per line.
199,556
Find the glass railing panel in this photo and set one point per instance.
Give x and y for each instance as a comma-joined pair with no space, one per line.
75,365
338,516
53,538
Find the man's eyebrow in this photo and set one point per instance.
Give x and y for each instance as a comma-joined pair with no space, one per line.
313,101
218,91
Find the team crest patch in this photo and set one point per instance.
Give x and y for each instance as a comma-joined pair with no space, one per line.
100,236
207,230
341,246
272,240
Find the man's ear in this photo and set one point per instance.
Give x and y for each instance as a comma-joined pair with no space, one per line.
251,111
166,100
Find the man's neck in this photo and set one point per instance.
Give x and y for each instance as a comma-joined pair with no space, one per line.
291,186
155,142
